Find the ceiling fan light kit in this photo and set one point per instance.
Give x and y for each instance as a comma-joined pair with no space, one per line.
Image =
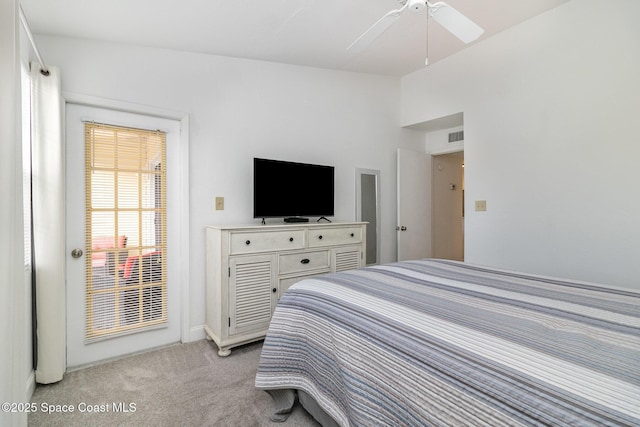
452,20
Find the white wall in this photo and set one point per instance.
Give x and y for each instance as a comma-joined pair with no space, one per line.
550,111
239,109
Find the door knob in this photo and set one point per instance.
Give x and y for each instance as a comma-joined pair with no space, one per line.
76,253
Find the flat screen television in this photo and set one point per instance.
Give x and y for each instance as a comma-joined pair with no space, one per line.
292,190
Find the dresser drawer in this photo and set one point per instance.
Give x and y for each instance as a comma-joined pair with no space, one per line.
250,242
303,261
286,283
334,236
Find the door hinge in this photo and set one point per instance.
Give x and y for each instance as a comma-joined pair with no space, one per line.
229,321
229,271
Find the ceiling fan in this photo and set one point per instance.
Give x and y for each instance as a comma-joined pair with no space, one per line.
452,20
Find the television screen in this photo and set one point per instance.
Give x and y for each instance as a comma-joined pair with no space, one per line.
288,189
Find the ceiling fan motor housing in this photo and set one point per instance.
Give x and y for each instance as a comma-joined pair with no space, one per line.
417,5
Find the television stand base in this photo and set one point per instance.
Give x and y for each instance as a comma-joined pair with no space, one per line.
323,217
296,219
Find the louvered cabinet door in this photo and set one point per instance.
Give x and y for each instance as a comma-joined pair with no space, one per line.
346,258
252,293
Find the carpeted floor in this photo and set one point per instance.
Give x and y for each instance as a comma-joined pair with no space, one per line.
181,385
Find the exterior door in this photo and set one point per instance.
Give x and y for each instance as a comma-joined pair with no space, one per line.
123,292
414,215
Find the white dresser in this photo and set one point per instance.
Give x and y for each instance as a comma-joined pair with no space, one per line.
250,267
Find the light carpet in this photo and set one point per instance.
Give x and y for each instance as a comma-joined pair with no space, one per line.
180,385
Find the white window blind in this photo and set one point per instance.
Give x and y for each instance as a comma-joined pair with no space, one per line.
126,289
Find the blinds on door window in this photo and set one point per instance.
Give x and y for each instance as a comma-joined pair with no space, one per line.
126,289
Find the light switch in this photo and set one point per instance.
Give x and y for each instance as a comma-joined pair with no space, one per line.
481,205
219,203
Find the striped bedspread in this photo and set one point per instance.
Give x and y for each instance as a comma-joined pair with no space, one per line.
442,343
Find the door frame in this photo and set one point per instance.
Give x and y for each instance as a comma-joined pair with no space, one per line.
186,334
360,197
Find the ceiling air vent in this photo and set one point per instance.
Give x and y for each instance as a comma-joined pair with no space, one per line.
456,136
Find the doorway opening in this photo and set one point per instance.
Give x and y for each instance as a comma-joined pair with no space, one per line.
447,206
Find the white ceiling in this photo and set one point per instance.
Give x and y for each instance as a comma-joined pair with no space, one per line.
313,33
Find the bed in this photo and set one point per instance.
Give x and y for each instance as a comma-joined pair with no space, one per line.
445,343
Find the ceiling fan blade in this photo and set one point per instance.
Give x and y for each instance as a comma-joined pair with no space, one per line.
455,22
376,30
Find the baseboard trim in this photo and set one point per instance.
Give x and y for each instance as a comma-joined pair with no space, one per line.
196,333
31,384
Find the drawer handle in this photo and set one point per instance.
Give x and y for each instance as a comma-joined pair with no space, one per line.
320,237
304,261
248,242
351,234
274,290
291,239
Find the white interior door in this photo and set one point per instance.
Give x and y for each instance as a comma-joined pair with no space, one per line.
414,205
80,350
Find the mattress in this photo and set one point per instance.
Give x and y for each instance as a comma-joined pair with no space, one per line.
445,343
